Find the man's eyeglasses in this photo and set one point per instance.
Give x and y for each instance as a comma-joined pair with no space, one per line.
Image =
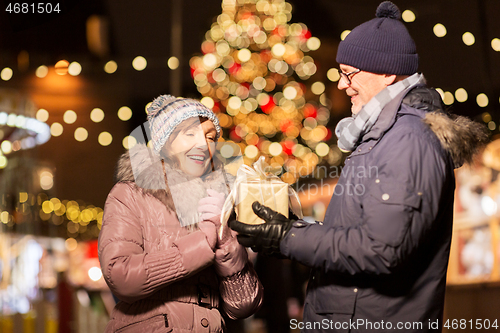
345,76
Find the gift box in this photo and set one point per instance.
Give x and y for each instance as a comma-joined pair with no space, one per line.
271,193
257,183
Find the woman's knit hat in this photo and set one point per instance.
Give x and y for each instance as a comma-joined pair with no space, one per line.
166,112
381,45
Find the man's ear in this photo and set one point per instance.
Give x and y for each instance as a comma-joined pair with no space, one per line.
389,79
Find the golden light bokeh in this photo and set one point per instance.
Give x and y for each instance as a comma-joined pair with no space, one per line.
97,115
439,30
408,16
81,134
461,95
110,67
482,100
6,74
56,129
42,115
173,63
124,113
61,67
139,63
69,117
74,68
105,139
42,71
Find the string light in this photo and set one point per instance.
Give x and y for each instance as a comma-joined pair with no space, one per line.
173,63
42,115
74,68
105,139
439,30
482,100
81,134
61,67
468,38
495,44
6,74
97,115
56,129
461,95
69,117
110,67
344,34
408,16
139,63
124,113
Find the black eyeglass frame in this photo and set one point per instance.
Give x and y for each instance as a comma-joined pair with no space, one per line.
346,76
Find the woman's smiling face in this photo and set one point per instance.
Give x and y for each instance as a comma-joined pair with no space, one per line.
193,146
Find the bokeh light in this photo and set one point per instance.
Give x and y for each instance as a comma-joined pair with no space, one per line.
333,74
482,100
110,67
468,39
129,142
81,134
461,95
42,71
318,88
61,67
69,117
74,68
439,30
495,44
313,43
42,115
56,129
139,63
173,63
448,98
344,34
124,113
97,115
105,139
6,74
408,16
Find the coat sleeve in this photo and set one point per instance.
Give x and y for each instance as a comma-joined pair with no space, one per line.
241,293
129,271
400,209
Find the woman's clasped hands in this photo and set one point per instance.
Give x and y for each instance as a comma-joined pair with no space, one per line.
211,208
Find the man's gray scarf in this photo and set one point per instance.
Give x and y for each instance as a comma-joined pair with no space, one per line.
349,130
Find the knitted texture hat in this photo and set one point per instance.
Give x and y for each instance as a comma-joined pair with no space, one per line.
381,45
166,112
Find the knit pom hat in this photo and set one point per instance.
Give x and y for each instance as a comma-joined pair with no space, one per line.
166,112
381,45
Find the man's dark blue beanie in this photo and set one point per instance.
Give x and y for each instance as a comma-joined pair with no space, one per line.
381,45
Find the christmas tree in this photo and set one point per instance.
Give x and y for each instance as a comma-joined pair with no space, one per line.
252,74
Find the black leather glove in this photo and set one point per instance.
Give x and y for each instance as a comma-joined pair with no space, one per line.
264,238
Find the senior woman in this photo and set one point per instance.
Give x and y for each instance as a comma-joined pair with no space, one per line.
160,250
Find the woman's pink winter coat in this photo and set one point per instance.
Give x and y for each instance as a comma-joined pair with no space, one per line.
167,277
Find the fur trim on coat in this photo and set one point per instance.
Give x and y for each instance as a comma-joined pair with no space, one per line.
147,171
460,136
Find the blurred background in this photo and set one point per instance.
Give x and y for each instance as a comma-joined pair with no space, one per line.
76,79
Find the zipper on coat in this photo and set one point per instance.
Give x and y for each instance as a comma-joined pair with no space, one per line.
166,320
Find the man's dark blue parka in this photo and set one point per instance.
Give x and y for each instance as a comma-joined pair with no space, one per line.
380,257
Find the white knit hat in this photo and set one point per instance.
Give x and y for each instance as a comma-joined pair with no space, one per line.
166,112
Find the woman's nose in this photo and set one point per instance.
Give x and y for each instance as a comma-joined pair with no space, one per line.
201,141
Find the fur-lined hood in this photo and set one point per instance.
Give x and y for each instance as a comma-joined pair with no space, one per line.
146,170
458,135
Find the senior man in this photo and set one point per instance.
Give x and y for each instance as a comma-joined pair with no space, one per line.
379,258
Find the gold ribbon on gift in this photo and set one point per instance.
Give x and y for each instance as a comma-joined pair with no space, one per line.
256,183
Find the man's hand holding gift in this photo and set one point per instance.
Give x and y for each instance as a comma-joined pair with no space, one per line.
264,238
